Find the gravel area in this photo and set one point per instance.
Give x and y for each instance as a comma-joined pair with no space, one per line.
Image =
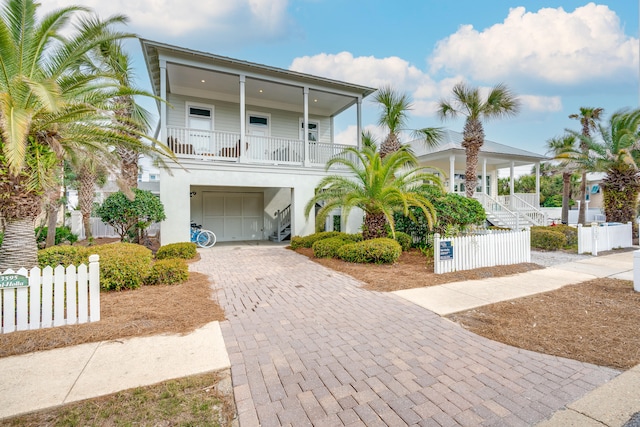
552,258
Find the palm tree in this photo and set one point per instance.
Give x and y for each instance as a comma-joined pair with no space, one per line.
588,117
467,101
379,186
132,117
618,155
563,149
49,107
393,117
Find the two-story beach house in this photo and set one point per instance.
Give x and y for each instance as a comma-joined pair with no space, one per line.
252,142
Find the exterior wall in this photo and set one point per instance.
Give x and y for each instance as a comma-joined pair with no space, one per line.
284,124
443,168
278,186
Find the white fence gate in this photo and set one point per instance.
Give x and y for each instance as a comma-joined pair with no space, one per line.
483,250
38,299
604,237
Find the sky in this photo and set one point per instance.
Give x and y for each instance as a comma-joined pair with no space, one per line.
556,56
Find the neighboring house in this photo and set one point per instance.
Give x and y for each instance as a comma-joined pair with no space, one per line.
505,211
252,142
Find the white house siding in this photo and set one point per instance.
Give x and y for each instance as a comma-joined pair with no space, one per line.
274,183
284,124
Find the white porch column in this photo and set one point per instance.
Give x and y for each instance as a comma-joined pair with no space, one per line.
359,122
163,105
484,176
305,101
452,172
537,201
301,226
243,117
511,184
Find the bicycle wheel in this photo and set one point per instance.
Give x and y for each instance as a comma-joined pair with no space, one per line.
211,238
202,239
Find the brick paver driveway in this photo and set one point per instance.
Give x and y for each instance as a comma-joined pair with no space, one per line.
309,347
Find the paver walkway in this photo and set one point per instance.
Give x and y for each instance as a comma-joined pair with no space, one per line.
309,347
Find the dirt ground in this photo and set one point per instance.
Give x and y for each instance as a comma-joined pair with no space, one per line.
594,322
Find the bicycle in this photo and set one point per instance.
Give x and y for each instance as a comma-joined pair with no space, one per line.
202,238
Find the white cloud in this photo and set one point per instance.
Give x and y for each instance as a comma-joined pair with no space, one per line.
541,103
365,70
550,45
263,19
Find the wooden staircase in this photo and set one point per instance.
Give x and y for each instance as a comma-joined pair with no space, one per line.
283,225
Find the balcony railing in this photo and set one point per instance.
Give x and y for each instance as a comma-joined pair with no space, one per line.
225,146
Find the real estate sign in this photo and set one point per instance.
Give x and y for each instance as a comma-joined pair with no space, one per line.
446,251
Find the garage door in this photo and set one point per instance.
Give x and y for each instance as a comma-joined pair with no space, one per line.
233,216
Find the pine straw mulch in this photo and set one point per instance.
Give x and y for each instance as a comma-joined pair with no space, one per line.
149,310
595,322
412,270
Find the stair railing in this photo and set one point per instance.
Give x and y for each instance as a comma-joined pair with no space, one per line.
283,220
530,213
499,211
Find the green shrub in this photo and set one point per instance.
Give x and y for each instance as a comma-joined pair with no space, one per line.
63,255
356,237
131,217
168,272
184,250
63,235
378,251
328,248
404,239
308,241
548,240
123,265
571,234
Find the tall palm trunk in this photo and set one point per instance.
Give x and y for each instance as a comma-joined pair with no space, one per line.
566,195
86,192
128,166
473,140
620,193
583,200
391,144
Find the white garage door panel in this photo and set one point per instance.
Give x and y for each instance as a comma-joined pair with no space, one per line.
234,216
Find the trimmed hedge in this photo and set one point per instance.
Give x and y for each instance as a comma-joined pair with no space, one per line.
546,239
183,250
308,241
170,271
328,248
378,251
63,255
404,239
123,265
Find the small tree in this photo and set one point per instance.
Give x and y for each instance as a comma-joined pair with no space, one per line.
131,218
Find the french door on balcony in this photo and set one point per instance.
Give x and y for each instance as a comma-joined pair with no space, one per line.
200,125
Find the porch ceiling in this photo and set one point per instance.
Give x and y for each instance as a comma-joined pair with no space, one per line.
202,83
209,76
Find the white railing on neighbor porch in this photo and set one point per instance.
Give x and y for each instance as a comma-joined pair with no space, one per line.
53,297
523,207
483,250
225,146
604,237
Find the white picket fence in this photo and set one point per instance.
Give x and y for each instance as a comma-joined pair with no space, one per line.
53,297
604,237
496,247
100,229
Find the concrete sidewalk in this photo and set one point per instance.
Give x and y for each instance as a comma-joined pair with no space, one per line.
55,377
460,296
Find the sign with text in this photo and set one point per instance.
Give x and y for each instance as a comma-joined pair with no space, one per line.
446,251
13,281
